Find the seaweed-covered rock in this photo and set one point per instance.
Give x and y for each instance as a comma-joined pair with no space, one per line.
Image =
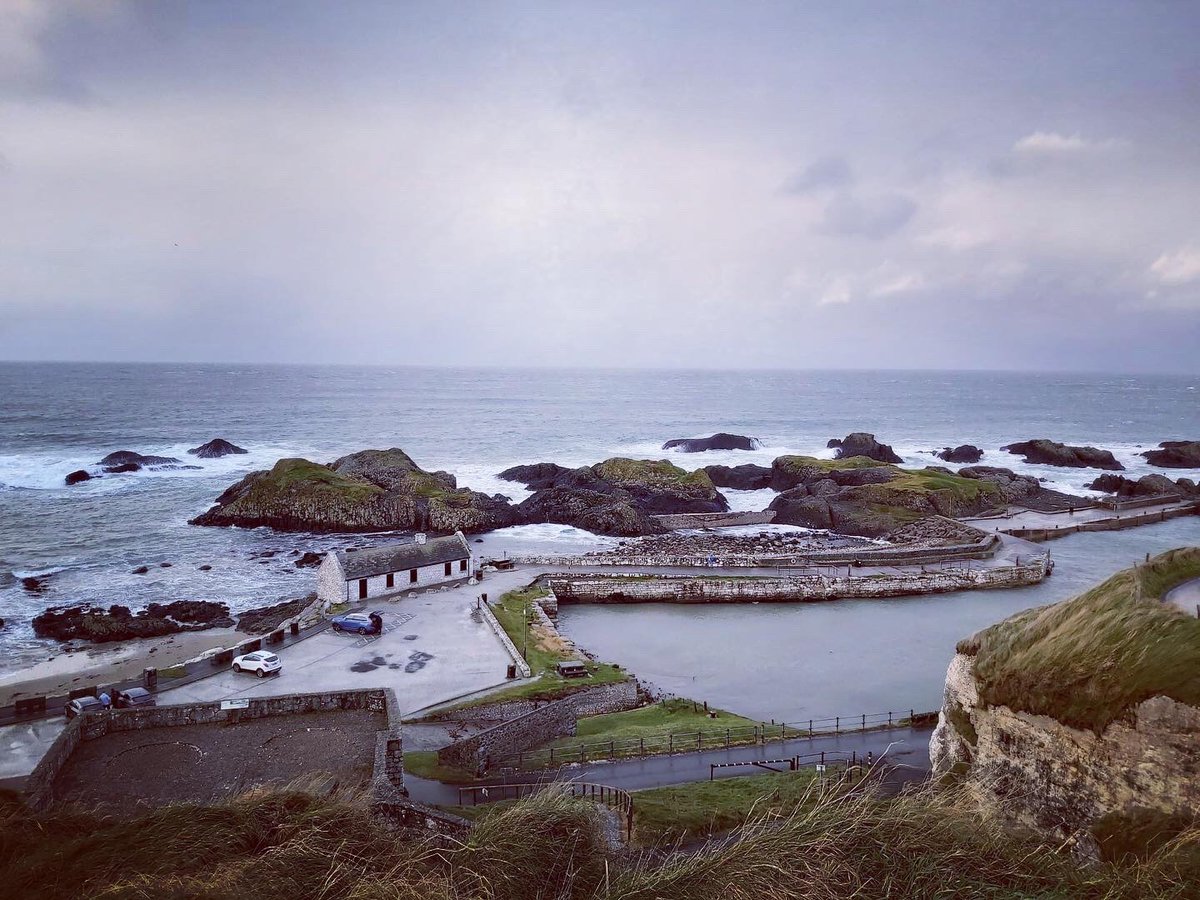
216,448
265,619
1175,455
1146,486
78,476
373,490
1022,490
535,476
1051,453
963,453
126,457
746,477
309,560
860,443
118,623
719,441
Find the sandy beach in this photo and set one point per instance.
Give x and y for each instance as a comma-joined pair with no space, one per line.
105,664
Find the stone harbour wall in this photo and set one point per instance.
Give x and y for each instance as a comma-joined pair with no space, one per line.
716,589
502,635
538,726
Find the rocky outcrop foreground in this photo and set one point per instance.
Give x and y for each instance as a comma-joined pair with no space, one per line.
216,448
859,496
747,477
1175,455
1051,453
1022,490
120,623
1146,486
719,441
615,497
373,490
859,443
1083,717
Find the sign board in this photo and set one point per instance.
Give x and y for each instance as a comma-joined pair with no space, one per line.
820,767
240,703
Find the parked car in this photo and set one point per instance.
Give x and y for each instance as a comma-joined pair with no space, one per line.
259,662
133,698
359,623
81,705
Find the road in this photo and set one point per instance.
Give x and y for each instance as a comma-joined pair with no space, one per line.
907,747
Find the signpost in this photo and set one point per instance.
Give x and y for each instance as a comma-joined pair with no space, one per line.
237,703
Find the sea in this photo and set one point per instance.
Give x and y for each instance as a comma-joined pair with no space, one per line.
85,540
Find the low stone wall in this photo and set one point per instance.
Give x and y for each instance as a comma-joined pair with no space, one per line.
40,784
715,520
538,726
409,816
1116,523
709,589
494,624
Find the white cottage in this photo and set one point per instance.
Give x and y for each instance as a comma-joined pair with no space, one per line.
352,575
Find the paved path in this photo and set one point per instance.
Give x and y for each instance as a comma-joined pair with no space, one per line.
1186,596
908,747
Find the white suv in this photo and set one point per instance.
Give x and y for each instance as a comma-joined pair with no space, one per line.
260,663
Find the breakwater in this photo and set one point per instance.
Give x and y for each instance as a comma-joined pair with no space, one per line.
733,589
1113,523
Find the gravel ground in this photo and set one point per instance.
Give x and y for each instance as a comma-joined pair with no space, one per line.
125,772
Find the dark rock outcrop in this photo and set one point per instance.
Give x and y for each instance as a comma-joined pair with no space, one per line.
857,497
1045,452
1146,486
535,476
746,477
963,453
859,443
1023,490
719,441
1175,455
265,619
618,496
216,448
122,468
35,584
126,457
119,623
309,560
78,476
373,490
140,570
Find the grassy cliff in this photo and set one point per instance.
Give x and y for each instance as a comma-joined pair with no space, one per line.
1089,660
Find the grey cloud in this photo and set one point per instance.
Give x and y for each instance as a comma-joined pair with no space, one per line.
828,172
872,216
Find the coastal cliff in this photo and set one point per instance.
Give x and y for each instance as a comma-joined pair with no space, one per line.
1082,719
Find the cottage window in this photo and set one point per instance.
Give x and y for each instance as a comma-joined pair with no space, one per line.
462,565
412,576
391,579
362,589
448,569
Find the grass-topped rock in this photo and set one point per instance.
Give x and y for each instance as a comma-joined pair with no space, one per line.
373,490
861,496
617,496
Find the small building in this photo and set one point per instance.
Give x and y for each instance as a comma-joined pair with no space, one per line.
353,575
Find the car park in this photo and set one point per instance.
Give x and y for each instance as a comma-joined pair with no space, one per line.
81,705
359,623
260,662
132,698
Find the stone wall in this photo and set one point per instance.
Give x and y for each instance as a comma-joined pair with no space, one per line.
537,726
1062,780
717,589
39,786
505,640
1116,523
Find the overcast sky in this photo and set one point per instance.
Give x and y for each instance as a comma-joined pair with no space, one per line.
739,184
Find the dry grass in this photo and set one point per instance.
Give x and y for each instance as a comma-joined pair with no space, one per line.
550,847
1089,660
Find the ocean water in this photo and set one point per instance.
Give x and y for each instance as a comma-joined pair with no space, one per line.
55,418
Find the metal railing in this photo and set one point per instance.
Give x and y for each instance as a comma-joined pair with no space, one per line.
713,739
614,798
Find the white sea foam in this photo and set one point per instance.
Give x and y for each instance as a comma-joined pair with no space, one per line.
749,501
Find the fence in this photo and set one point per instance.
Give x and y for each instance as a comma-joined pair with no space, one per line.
821,760
714,739
612,797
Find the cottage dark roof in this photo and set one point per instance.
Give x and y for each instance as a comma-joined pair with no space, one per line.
401,557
